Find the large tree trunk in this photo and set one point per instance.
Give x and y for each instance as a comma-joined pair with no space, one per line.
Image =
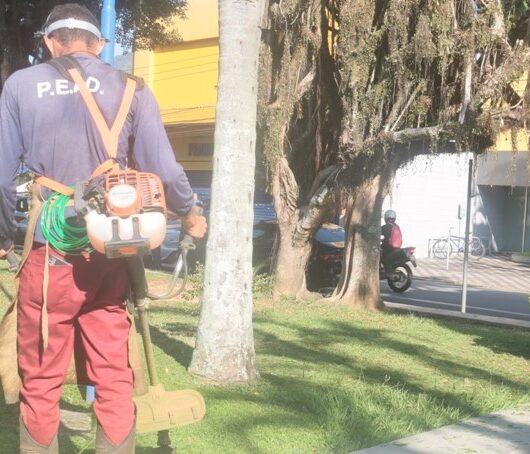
296,227
287,93
359,282
291,262
224,352
291,257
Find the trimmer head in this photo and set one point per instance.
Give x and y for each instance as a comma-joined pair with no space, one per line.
159,409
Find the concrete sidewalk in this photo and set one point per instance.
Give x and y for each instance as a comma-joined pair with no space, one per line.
492,272
503,432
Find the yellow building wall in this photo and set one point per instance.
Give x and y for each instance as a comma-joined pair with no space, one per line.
505,140
183,78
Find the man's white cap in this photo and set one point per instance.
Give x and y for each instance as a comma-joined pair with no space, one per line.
71,24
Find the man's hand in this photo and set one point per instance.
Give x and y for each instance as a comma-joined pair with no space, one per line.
194,225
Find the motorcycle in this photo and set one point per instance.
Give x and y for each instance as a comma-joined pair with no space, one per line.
325,263
399,277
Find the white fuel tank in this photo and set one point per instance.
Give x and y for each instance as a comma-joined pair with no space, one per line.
99,228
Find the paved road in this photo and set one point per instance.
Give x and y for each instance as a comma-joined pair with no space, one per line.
433,293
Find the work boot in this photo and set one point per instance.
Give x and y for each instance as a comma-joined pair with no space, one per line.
29,446
105,446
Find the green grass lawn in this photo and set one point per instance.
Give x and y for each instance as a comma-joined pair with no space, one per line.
332,379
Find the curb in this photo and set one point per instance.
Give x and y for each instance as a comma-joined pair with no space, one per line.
519,258
501,432
443,313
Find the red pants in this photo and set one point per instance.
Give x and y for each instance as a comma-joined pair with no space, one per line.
86,299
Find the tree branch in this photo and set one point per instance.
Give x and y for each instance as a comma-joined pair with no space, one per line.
467,88
322,177
304,85
313,214
415,134
407,105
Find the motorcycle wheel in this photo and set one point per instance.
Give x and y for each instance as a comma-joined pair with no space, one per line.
403,282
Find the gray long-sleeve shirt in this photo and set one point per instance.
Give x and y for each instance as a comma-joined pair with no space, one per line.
45,123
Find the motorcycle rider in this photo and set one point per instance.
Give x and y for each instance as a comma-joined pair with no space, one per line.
44,123
392,239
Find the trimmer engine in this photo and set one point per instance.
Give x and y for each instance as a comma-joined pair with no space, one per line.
125,212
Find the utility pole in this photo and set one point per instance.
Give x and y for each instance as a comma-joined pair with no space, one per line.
108,29
468,233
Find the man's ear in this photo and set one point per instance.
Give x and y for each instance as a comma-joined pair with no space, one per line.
98,47
48,42
52,45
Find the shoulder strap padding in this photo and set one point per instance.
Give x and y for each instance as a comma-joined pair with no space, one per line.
139,81
64,64
110,135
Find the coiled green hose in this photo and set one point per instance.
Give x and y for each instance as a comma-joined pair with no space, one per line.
58,230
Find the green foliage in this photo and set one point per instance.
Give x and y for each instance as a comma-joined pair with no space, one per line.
393,65
194,286
262,287
148,24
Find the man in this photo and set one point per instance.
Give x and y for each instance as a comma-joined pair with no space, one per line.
45,123
392,239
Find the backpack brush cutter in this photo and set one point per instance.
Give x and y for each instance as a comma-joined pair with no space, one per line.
125,214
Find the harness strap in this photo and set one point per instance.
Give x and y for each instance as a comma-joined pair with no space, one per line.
110,139
44,329
110,136
64,63
54,186
109,164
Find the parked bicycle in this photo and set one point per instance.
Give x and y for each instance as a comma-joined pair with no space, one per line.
455,245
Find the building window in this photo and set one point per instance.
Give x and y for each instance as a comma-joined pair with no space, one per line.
200,149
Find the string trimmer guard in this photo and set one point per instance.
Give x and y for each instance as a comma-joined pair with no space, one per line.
159,409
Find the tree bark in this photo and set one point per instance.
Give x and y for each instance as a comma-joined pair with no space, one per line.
224,351
359,281
291,262
296,227
291,257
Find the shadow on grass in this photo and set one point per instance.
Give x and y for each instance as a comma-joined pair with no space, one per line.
9,434
313,345
162,337
515,342
175,348
386,402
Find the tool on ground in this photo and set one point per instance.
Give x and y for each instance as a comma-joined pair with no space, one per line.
159,410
